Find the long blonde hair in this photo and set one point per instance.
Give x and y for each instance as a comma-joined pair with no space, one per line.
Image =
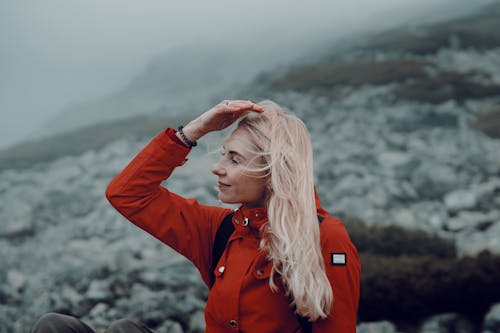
291,238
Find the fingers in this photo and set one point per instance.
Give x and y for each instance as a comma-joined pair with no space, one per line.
242,105
257,108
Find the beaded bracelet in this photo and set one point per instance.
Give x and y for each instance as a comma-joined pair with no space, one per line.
185,138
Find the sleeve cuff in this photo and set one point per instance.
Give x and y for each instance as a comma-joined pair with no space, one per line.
171,133
169,143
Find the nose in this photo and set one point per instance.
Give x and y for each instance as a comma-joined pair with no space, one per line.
218,169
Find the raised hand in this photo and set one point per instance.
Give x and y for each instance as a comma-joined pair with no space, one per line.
219,117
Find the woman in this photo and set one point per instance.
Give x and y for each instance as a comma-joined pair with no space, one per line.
283,264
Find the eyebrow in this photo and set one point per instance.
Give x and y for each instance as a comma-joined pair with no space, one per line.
234,152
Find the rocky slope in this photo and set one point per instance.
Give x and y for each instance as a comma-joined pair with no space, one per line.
398,125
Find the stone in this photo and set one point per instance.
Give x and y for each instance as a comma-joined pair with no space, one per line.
98,290
429,215
169,326
447,323
98,309
376,327
492,320
432,180
472,243
71,295
487,192
405,218
397,163
197,322
16,218
188,303
471,220
460,200
378,197
16,280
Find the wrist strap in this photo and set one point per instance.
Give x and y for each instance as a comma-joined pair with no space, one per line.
185,138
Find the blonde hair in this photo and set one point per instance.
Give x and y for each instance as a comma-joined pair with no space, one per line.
291,238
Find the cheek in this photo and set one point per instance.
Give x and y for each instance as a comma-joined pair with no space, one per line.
257,185
246,183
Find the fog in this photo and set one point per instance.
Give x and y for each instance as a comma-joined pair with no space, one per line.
57,52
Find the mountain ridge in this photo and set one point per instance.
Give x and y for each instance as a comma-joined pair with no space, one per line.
390,57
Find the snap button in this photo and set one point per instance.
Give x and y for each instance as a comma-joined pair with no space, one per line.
233,323
221,269
260,272
245,222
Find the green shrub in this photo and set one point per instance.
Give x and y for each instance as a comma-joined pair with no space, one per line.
409,275
411,288
29,153
394,241
326,75
446,86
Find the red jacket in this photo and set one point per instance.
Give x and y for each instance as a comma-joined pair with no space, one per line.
240,299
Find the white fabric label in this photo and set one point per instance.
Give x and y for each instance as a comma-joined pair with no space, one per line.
338,259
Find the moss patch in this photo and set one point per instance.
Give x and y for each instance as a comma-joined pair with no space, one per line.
446,86
410,275
27,154
395,241
479,31
327,76
408,289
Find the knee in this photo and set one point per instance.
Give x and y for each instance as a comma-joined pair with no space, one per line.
49,322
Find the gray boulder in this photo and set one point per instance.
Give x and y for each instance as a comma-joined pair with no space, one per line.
492,320
376,327
447,323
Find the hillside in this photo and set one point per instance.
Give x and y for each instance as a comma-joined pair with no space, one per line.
406,136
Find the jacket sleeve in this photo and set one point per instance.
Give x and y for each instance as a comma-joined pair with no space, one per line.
343,269
183,224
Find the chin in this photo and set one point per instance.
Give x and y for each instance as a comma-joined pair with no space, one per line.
227,200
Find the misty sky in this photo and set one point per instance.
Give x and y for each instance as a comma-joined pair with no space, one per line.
55,52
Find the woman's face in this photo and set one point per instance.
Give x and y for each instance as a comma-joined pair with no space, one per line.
236,184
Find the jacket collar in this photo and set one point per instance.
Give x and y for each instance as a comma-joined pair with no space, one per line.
247,219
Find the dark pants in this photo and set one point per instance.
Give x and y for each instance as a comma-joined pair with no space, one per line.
59,323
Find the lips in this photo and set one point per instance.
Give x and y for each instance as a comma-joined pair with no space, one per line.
223,185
